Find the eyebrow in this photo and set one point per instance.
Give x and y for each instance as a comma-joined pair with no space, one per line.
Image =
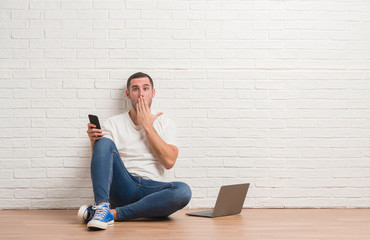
144,85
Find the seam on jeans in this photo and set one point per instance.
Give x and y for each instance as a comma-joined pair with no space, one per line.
124,168
136,195
168,184
110,173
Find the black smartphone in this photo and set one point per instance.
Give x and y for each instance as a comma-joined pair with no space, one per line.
94,120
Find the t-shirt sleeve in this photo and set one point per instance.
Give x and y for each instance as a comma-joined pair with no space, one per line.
107,130
170,132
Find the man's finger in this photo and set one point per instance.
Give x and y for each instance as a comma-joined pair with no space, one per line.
138,105
142,104
145,105
94,130
157,115
97,135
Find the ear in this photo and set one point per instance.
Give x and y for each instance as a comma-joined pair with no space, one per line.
128,94
153,92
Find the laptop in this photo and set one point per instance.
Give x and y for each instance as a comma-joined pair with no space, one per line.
230,201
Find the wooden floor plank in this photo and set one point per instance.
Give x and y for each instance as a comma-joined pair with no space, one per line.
250,224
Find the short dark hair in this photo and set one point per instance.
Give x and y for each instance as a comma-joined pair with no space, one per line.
138,75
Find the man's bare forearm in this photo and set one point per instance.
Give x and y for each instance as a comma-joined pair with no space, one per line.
165,153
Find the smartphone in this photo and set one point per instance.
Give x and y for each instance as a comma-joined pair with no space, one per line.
94,120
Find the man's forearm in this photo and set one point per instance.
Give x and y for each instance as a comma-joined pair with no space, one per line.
165,153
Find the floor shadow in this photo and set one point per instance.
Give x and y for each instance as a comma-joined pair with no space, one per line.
153,219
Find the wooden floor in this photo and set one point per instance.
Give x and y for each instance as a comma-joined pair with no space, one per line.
268,224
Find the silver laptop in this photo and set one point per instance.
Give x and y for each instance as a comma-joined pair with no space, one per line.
230,201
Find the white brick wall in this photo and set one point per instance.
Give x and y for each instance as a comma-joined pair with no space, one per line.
275,93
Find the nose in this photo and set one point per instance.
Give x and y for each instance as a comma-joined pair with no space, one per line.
141,93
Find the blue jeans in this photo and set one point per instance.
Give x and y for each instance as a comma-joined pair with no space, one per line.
131,196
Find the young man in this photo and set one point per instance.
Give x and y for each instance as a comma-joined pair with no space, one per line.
128,163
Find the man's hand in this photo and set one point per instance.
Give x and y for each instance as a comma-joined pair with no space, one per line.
94,133
145,118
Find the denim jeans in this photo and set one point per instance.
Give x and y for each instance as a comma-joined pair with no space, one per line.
131,196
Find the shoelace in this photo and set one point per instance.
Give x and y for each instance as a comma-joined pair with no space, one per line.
100,211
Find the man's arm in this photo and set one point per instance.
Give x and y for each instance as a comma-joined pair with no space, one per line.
165,153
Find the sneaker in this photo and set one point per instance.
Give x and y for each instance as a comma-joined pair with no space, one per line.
85,213
102,219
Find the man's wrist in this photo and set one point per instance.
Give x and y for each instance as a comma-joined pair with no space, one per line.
148,128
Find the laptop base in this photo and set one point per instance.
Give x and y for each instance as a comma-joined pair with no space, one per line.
208,213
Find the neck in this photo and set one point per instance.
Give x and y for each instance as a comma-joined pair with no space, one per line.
133,115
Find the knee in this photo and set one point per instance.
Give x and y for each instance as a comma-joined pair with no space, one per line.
103,143
183,193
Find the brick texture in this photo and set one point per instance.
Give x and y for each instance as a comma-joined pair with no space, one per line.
275,93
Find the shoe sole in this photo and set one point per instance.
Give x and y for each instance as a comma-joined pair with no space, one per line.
99,224
80,214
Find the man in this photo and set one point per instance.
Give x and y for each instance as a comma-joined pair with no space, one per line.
129,162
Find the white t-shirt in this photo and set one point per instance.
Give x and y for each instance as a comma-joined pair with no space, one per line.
133,145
